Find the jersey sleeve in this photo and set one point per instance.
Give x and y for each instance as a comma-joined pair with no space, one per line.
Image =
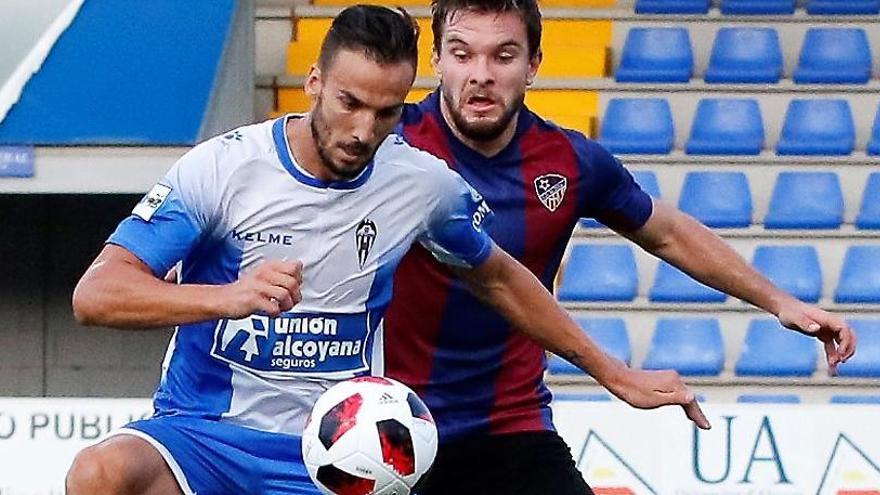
454,227
611,196
171,219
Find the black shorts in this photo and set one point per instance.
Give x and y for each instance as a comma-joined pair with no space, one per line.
529,463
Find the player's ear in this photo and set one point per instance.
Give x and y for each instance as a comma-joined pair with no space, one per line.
534,64
313,82
435,62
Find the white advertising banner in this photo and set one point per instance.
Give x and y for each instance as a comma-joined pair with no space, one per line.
755,449
40,437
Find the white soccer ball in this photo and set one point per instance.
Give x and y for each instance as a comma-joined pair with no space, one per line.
369,435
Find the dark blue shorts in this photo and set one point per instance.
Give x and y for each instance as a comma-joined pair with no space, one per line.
212,458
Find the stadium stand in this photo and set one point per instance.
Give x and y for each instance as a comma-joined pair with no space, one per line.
860,277
795,269
727,127
600,273
769,399
691,346
671,285
834,56
848,7
611,334
757,7
817,127
866,363
869,213
656,55
638,125
745,55
855,399
874,145
795,204
771,350
672,6
718,199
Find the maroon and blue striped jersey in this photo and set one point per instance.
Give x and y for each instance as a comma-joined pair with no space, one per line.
477,374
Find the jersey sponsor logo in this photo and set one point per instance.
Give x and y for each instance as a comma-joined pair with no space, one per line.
294,344
480,214
551,190
365,235
151,203
263,237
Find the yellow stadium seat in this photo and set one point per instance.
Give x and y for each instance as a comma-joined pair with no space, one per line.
574,61
573,109
293,100
576,32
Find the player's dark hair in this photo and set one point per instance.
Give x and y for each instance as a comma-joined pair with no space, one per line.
443,10
384,35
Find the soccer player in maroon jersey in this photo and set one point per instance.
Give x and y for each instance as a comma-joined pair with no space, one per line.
482,379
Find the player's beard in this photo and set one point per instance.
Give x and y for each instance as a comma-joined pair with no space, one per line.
482,131
320,134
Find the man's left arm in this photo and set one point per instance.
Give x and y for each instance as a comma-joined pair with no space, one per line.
687,244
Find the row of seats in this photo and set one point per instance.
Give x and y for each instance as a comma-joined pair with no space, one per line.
746,55
733,126
695,347
751,398
758,7
800,200
608,272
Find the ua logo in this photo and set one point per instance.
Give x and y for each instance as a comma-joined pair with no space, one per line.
364,236
551,190
254,326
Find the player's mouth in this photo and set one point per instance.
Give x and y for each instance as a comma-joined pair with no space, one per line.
481,103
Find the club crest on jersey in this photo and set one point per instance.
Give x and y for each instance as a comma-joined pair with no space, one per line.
551,190
364,236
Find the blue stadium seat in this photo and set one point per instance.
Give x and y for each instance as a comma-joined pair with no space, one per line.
646,179
558,366
583,396
745,55
874,144
718,199
855,399
834,56
672,285
769,399
691,346
846,7
860,276
866,361
726,126
638,125
757,7
817,127
869,214
600,272
661,55
805,200
771,350
794,269
672,6
610,334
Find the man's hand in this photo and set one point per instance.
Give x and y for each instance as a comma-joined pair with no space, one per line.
645,389
273,287
837,337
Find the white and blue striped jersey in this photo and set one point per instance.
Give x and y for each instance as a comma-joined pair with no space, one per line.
239,199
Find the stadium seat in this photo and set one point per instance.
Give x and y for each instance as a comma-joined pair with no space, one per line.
610,334
558,366
817,127
745,55
805,200
772,350
860,276
646,179
671,285
661,55
690,346
855,399
834,56
794,269
874,144
672,6
869,213
600,272
726,127
583,396
638,125
866,361
757,7
846,7
718,199
769,399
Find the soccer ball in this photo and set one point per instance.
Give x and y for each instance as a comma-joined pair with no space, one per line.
369,435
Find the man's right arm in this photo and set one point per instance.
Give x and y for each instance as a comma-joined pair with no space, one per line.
121,291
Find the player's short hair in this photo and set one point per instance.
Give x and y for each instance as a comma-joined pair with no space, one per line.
384,35
443,10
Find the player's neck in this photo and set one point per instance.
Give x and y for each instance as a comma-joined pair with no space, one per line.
486,148
304,149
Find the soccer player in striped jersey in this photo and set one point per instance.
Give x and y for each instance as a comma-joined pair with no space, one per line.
289,232
481,378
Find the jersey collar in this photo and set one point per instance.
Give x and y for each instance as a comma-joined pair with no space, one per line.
282,147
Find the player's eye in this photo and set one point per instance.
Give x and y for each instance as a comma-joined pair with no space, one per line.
460,56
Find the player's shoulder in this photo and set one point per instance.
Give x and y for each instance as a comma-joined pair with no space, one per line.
589,152
224,154
400,157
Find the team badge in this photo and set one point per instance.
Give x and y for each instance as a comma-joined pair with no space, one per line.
365,235
551,190
150,203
